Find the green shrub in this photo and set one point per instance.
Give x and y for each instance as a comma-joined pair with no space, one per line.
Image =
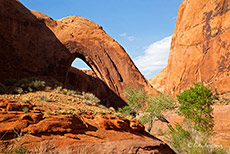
58,89
185,139
91,97
18,90
135,99
31,84
156,106
64,91
193,135
25,109
196,105
25,100
43,97
23,85
125,111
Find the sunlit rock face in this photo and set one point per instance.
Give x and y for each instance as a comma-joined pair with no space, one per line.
199,48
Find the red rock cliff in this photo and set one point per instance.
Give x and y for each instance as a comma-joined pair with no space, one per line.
199,48
27,46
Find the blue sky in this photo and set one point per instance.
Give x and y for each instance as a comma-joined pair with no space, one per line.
142,27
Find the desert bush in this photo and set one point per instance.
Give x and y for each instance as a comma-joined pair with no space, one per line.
31,84
193,135
25,109
18,90
135,99
23,85
58,89
91,97
185,139
196,106
44,97
25,100
72,92
47,113
156,106
65,91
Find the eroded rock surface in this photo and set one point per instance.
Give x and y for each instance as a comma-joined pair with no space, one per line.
67,133
199,48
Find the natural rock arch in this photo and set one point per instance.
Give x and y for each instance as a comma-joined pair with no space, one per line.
36,45
88,41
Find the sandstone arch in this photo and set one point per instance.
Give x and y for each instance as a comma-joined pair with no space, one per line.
109,61
36,45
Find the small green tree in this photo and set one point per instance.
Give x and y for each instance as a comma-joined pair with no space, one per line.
135,99
156,106
196,106
192,136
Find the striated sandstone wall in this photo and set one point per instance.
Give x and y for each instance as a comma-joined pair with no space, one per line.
199,49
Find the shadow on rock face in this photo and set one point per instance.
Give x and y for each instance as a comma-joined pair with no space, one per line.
86,83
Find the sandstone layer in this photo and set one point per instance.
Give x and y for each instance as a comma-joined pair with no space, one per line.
67,133
199,48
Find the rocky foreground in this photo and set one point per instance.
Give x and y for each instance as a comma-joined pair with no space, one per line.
65,124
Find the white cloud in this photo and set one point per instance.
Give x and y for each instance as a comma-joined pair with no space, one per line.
125,35
131,38
155,58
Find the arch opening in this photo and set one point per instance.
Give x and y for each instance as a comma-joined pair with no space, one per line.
80,64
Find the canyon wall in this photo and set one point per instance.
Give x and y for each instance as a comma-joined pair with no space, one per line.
199,48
